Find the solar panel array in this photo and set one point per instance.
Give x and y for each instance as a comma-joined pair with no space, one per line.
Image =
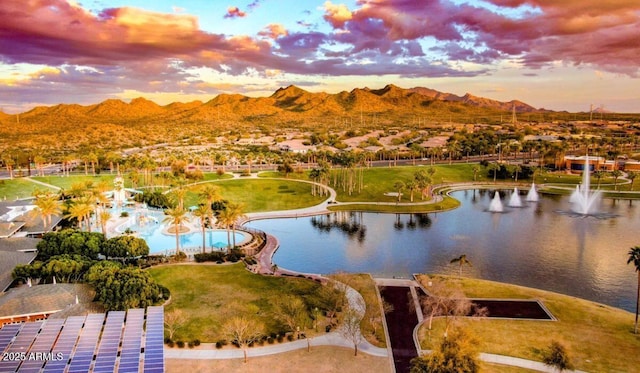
132,342
86,344
154,341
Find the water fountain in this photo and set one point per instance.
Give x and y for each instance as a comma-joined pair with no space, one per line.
583,200
532,196
515,200
496,203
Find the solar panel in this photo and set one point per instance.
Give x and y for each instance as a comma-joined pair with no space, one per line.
40,350
131,341
109,343
16,353
154,340
82,356
7,333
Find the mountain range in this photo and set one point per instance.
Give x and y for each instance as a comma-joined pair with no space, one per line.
284,105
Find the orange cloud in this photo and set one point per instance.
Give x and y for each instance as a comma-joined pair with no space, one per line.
273,31
234,12
337,15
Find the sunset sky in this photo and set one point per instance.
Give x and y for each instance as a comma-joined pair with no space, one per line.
553,54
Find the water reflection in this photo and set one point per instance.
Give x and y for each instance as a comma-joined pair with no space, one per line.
535,245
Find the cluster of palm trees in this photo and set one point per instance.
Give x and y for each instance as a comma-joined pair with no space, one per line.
204,212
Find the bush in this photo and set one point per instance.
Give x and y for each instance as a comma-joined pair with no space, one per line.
270,340
180,344
170,344
290,338
195,342
221,343
280,338
167,340
209,257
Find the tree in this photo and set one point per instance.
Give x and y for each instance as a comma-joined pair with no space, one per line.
634,257
616,174
291,311
556,356
173,321
461,260
70,241
631,175
494,168
598,174
243,331
475,170
399,186
47,205
350,327
203,212
455,354
176,216
104,216
119,288
125,247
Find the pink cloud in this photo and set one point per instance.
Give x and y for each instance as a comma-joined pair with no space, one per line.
234,12
274,31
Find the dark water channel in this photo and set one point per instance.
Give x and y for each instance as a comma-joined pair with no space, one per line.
538,245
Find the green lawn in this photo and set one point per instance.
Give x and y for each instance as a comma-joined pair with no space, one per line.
600,338
65,182
447,204
261,194
210,294
11,189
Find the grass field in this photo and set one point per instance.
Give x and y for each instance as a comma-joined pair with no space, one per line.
11,189
210,294
600,338
65,182
261,194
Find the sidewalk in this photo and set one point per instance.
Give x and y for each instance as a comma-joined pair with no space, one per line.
208,350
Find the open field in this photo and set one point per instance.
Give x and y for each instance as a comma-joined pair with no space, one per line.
261,194
65,182
210,294
600,338
11,189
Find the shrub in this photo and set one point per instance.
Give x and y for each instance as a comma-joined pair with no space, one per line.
280,338
180,344
270,340
195,342
170,344
290,338
167,340
221,343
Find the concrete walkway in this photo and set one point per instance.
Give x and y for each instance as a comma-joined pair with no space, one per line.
208,350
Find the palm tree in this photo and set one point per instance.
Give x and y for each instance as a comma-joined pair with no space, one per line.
203,212
210,194
495,167
237,212
461,260
399,186
176,216
631,175
634,257
104,217
616,174
81,210
46,206
228,218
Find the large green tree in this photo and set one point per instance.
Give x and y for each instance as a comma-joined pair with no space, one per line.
123,247
70,241
121,288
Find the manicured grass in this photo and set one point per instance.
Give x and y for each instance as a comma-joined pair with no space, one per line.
447,204
208,295
11,189
65,182
261,194
600,338
210,176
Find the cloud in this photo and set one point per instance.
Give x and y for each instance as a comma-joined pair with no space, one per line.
274,31
336,15
234,12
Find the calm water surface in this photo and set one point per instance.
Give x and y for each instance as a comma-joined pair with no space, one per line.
539,245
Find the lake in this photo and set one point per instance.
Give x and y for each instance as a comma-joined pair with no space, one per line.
540,245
